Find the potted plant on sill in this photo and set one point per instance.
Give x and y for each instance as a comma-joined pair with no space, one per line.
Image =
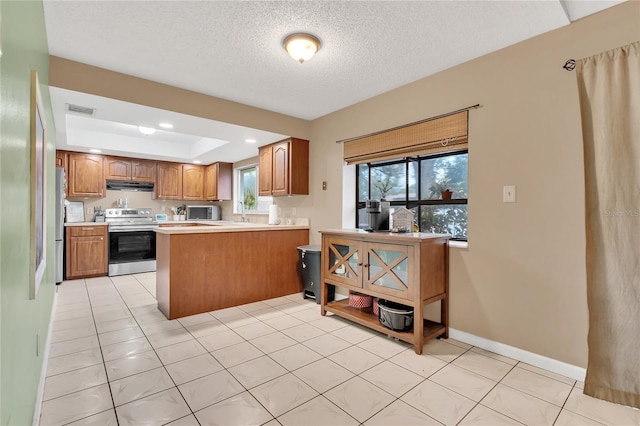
440,188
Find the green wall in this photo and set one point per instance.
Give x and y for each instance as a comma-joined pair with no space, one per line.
22,321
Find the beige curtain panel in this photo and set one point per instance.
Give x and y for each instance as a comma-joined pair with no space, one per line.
609,89
443,134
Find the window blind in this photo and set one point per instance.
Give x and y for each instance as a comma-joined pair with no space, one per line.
441,134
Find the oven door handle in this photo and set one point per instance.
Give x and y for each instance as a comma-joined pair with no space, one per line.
130,228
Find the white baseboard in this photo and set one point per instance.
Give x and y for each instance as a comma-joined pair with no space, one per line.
555,366
45,360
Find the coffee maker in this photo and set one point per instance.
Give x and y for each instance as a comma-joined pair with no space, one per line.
378,212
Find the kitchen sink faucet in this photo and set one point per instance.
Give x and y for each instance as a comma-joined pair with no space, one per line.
243,216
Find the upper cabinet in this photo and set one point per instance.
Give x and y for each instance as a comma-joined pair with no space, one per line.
119,168
86,177
284,168
192,182
218,181
168,181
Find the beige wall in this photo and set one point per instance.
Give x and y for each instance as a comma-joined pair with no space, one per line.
521,282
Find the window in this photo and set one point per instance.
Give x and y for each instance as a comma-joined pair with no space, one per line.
417,184
247,191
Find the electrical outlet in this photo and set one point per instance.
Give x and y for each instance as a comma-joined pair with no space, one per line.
89,210
509,194
324,185
293,211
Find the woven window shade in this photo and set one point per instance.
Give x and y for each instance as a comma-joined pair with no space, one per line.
443,134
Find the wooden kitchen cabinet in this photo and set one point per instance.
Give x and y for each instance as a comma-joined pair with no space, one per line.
410,269
265,170
85,175
168,181
61,159
87,251
284,168
121,168
218,181
192,182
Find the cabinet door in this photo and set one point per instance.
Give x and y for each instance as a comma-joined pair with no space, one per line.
192,182
343,264
143,171
388,269
117,168
169,181
280,183
86,256
211,182
265,170
86,178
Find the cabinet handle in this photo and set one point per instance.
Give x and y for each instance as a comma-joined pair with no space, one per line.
366,265
360,264
87,229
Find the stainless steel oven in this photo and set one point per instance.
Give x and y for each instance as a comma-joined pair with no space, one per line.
132,241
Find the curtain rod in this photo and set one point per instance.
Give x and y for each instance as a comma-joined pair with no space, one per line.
411,124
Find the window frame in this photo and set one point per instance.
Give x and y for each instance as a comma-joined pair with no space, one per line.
407,203
237,199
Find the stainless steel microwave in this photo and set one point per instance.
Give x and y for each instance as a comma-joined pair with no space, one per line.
204,213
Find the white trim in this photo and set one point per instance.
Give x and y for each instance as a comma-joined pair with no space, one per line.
555,366
45,359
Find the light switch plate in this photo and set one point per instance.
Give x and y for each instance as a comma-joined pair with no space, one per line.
509,194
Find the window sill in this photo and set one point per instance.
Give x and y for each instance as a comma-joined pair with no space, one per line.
459,244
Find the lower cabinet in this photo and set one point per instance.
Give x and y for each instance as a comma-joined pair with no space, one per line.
409,269
87,251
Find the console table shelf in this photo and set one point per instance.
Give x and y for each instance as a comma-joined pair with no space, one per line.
411,269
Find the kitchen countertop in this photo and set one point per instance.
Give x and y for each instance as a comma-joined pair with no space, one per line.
204,227
86,224
404,236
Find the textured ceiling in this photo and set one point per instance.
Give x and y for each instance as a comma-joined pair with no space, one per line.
233,49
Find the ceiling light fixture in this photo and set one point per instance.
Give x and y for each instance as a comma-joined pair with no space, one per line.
197,162
166,125
250,140
95,151
147,131
301,46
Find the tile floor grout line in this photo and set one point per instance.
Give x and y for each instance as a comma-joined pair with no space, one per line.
153,348
485,395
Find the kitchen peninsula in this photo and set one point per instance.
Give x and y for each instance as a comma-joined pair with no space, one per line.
206,266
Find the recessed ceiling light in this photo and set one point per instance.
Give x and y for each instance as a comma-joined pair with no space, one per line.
250,140
95,151
146,130
197,162
166,125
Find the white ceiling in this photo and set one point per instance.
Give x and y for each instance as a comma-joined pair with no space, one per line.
233,50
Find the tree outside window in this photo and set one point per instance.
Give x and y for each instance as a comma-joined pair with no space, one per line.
417,184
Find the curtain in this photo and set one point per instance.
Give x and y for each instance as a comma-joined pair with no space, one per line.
609,90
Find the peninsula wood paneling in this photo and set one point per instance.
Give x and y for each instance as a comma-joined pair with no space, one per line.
203,272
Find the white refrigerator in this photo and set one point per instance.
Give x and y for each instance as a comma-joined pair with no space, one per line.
59,224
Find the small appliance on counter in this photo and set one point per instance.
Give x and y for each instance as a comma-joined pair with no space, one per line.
395,316
378,212
204,213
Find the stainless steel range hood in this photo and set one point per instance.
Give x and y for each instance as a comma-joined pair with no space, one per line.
125,185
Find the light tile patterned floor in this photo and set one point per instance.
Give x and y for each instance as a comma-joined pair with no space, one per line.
115,359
